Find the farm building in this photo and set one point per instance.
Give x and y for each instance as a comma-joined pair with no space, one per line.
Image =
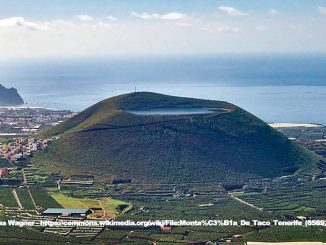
66,212
4,172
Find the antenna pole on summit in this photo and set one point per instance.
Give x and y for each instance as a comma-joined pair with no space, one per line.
135,89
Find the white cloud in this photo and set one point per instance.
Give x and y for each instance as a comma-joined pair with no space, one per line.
321,10
231,11
100,24
62,23
184,24
20,22
85,17
273,11
220,29
167,16
192,33
111,18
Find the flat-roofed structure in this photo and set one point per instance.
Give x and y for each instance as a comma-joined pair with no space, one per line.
67,212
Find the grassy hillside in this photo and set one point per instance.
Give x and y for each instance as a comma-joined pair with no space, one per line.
107,141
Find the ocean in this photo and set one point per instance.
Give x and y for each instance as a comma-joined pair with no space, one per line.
276,88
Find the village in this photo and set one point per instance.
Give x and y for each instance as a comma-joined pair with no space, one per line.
15,121
20,148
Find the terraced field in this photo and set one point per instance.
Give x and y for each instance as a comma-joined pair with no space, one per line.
102,207
308,199
191,209
289,234
43,199
35,176
25,198
7,198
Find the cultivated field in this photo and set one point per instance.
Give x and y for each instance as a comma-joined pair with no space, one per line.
306,200
102,207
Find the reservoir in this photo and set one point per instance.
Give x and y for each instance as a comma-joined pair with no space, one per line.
177,111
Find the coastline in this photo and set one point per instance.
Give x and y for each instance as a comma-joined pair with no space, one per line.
295,125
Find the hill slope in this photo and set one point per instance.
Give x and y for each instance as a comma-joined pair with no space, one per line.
230,144
9,96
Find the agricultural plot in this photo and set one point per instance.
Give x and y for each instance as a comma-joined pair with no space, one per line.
103,207
25,198
7,198
35,176
42,199
16,235
289,234
308,199
112,235
223,208
166,237
191,209
184,209
125,237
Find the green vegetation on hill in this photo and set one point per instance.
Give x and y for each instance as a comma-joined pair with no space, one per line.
107,141
25,198
43,199
306,200
288,234
103,207
7,198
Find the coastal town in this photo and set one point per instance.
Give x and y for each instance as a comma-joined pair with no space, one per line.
24,121
19,127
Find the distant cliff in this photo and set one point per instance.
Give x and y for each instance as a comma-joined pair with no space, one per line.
10,96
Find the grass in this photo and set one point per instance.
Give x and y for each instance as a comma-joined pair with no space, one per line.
14,235
307,199
103,207
25,198
288,234
112,235
7,198
189,209
43,199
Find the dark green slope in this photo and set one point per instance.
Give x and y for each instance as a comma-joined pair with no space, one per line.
107,141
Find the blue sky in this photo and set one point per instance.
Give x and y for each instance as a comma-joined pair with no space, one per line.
33,28
60,9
